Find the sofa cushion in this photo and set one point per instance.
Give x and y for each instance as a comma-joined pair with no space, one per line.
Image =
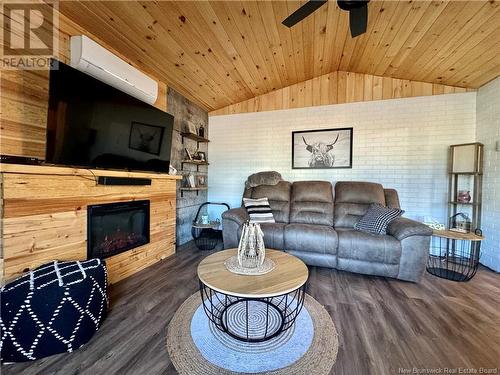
279,199
321,239
312,203
315,259
354,244
377,218
273,235
352,200
368,268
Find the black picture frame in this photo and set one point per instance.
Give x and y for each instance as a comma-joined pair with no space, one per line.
137,142
322,164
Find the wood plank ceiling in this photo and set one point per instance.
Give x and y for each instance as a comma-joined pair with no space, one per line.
219,53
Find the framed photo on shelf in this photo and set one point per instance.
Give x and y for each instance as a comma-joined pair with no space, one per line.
188,154
191,128
322,148
146,138
202,181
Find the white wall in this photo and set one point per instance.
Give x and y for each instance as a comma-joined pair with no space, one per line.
400,143
488,133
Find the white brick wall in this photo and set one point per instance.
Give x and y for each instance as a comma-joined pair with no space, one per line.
488,133
400,143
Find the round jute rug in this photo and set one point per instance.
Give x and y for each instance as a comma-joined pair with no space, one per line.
318,358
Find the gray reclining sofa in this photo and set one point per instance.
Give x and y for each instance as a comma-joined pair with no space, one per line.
316,224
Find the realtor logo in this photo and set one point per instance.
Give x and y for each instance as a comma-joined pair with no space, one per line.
30,34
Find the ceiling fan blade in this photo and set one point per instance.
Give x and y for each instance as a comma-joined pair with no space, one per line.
303,12
358,19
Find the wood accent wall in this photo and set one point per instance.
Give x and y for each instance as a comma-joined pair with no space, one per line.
45,217
24,99
337,88
218,53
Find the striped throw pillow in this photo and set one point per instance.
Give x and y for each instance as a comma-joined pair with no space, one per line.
377,218
259,210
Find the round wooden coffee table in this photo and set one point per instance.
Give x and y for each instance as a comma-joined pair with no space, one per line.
253,308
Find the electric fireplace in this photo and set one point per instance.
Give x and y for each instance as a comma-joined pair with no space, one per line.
116,227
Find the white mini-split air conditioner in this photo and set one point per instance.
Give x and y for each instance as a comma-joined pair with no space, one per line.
89,57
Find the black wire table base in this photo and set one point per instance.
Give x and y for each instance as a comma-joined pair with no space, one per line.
252,319
454,259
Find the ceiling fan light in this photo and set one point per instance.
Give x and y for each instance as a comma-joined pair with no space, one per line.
351,4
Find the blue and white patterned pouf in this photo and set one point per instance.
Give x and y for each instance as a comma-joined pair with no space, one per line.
53,309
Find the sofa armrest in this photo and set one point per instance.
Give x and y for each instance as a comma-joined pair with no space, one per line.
238,215
232,220
403,227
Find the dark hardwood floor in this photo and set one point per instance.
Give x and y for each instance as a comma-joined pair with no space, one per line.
384,325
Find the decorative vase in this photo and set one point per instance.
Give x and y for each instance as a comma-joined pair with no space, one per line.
464,196
251,250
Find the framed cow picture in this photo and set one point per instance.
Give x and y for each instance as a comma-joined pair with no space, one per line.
322,148
145,137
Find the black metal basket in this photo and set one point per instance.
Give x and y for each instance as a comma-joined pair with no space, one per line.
454,259
206,236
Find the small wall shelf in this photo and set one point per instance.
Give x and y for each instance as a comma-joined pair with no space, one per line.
198,139
194,137
467,173
199,162
465,203
194,162
197,189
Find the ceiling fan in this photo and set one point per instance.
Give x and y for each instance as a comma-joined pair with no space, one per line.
358,14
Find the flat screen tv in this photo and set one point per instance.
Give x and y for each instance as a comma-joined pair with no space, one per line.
93,125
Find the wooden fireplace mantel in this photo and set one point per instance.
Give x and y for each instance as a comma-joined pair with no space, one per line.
44,216
69,171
